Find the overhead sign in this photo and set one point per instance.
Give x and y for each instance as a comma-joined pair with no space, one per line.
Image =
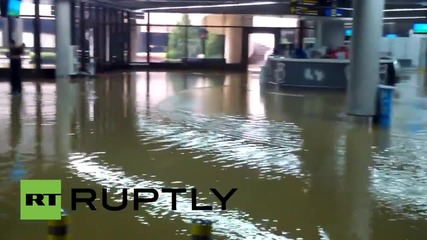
420,28
327,8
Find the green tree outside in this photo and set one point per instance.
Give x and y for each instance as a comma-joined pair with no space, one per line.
178,39
215,46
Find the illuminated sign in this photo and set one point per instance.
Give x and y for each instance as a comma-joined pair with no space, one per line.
325,8
420,28
14,8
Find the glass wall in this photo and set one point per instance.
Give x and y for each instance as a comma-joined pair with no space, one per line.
106,35
47,34
100,33
25,32
176,37
4,61
139,44
113,37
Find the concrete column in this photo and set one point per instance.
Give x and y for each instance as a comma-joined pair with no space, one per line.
18,30
233,36
233,39
135,41
63,38
5,32
365,55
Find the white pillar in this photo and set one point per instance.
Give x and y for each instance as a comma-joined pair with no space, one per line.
233,39
5,31
18,30
135,35
63,38
365,55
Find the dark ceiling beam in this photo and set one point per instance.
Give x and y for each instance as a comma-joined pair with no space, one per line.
107,3
166,3
406,14
274,9
175,1
162,5
404,2
135,4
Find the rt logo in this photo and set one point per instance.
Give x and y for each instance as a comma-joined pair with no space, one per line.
40,200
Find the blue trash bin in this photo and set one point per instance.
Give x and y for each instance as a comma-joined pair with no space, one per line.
384,106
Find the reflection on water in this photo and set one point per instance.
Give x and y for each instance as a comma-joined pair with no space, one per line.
302,172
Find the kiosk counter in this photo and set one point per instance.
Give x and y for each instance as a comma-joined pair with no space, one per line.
317,73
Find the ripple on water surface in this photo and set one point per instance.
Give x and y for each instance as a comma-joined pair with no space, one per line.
234,142
272,148
233,224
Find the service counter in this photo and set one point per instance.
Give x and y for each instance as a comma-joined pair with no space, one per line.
317,73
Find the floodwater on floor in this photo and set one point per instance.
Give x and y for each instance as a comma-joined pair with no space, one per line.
302,171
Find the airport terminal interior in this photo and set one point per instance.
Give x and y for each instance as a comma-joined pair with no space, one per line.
314,110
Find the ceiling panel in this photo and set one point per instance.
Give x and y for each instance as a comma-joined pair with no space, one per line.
272,7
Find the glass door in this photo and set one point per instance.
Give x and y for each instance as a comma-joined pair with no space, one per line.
260,44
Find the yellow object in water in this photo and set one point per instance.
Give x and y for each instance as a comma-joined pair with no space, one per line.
58,229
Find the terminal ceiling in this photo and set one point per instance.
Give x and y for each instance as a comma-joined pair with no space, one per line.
268,7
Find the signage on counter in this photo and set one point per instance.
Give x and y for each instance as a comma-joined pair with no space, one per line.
314,75
280,73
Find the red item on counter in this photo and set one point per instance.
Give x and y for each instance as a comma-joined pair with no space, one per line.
334,53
